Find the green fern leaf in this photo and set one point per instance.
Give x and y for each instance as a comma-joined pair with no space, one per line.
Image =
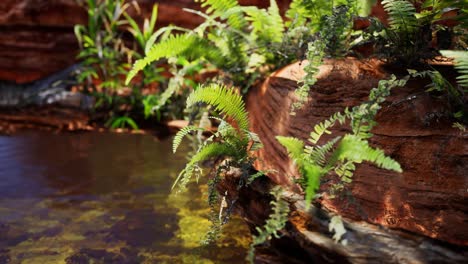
353,148
189,45
312,174
323,127
212,150
402,15
225,9
461,64
173,46
345,171
181,134
318,155
224,100
275,222
294,146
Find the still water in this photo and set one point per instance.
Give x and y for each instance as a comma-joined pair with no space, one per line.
103,198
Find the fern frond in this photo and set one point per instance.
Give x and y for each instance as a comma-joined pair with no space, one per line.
188,45
323,127
312,174
276,25
181,134
256,142
172,46
275,222
355,149
315,54
259,20
461,64
206,152
345,171
224,100
225,9
294,146
402,15
318,155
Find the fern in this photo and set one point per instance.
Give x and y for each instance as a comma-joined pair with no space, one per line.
225,9
319,154
267,25
294,146
323,127
461,64
345,171
402,15
315,56
181,134
224,100
212,150
275,222
355,149
340,154
188,45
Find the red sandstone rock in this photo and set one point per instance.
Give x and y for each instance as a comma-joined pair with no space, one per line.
428,198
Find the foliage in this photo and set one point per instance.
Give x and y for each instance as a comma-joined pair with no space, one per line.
312,12
315,56
333,39
408,37
461,64
103,50
242,42
275,222
340,154
106,57
229,141
122,122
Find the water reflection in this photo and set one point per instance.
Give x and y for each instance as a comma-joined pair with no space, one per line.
102,198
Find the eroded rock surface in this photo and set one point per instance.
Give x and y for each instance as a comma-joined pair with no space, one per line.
428,198
307,238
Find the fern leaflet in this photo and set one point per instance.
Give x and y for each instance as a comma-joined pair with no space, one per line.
224,100
275,222
461,64
181,134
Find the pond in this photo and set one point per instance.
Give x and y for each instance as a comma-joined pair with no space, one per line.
104,198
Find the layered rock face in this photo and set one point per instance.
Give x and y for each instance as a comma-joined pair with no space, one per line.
428,198
37,39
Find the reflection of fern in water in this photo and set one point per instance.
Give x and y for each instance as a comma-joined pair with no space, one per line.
340,154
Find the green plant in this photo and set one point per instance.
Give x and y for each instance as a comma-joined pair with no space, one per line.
103,52
121,122
407,39
275,222
243,43
145,39
461,64
341,153
333,39
233,142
